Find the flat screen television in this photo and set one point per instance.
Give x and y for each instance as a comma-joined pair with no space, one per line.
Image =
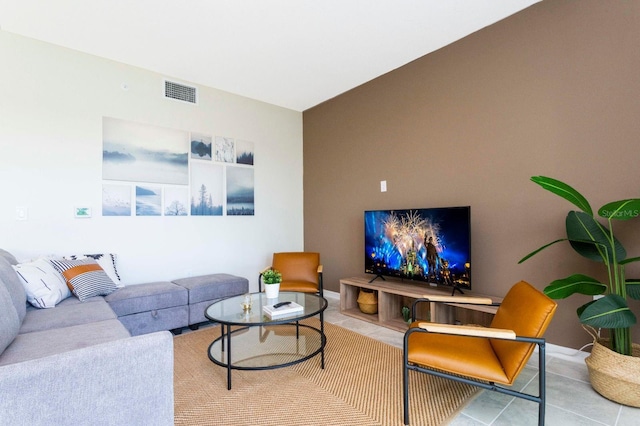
429,245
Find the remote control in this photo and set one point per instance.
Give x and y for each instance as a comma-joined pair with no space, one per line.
278,305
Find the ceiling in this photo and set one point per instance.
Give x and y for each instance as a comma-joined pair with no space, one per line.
291,53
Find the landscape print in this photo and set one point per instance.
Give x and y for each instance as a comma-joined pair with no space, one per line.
244,153
176,201
116,200
168,172
200,146
148,200
225,149
206,189
143,153
240,191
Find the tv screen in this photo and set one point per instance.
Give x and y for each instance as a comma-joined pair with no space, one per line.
432,245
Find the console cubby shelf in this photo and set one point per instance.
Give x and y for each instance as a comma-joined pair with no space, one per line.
393,295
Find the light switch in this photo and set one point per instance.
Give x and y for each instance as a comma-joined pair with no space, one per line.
21,213
383,186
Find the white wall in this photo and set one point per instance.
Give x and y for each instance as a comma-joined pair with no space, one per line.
52,101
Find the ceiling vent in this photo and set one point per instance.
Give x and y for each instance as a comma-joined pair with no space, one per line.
180,92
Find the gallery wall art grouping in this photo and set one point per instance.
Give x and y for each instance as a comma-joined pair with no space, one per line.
155,171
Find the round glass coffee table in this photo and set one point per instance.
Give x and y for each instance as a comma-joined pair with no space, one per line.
251,340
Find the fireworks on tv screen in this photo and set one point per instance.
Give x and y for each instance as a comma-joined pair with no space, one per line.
432,245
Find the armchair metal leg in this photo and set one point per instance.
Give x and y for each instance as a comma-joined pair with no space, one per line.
542,385
405,394
405,383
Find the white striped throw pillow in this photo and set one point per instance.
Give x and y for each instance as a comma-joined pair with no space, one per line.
85,278
106,260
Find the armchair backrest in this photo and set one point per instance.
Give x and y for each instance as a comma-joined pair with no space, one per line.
528,312
297,266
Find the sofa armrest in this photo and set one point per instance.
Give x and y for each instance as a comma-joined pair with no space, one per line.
123,382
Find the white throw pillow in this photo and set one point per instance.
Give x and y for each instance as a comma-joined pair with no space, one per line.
44,285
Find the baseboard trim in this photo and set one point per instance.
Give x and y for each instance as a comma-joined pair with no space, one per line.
568,354
331,294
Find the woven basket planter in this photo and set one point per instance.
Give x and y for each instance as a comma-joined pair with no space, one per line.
368,301
615,376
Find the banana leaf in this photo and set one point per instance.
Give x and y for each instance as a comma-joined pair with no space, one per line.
621,210
632,286
629,260
589,238
581,309
540,249
576,283
565,191
610,311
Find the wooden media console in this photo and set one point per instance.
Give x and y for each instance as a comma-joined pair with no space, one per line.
394,294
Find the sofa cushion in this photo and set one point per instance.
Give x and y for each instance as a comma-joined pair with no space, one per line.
9,322
66,315
49,342
14,287
107,262
213,287
85,278
133,299
72,301
45,287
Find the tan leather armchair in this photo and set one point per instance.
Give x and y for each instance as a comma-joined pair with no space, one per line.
301,271
487,357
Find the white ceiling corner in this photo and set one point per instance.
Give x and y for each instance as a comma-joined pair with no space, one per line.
291,53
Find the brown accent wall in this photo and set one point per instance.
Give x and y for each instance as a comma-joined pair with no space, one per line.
553,90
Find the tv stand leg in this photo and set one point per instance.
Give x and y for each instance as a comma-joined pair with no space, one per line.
453,291
376,277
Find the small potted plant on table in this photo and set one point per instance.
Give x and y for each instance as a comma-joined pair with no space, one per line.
271,279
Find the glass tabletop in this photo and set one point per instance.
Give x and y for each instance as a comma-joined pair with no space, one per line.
230,311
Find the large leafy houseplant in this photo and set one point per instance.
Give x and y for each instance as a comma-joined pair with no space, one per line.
596,241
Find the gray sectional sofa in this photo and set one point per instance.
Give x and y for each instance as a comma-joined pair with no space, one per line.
105,361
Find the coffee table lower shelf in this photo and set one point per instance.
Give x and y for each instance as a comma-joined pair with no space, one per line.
266,347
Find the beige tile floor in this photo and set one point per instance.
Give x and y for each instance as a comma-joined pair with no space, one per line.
570,398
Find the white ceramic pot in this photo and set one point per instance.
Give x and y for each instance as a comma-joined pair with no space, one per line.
272,290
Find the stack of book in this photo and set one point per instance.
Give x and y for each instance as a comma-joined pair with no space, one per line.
275,311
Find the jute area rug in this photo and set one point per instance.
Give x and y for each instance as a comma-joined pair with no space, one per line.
361,384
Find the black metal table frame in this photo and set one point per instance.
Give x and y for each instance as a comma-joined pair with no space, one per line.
226,334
